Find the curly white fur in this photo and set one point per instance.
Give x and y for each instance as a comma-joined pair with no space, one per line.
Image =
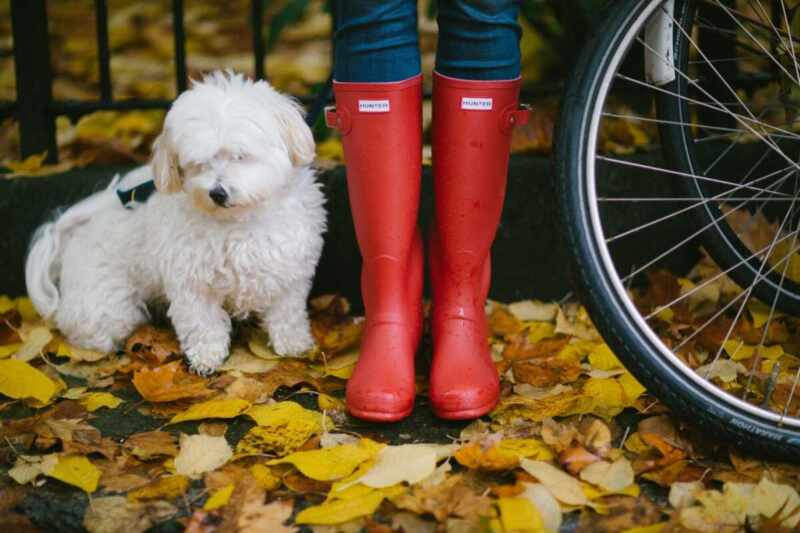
94,269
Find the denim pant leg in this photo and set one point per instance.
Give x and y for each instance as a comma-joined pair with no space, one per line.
376,40
478,39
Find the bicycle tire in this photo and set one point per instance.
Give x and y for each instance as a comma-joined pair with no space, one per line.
685,397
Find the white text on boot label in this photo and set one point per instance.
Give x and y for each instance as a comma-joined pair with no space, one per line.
480,104
373,106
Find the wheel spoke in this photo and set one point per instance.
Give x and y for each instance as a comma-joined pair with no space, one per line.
712,279
714,222
691,176
725,82
686,209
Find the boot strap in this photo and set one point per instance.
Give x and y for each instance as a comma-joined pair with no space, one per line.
338,119
517,115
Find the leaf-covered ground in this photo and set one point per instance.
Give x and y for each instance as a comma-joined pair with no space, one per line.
131,440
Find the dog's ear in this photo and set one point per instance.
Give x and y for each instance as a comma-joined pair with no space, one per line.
296,133
165,164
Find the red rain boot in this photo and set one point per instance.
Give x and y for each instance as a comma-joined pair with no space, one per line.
381,128
472,124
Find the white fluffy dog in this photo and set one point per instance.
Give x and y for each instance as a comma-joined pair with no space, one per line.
234,228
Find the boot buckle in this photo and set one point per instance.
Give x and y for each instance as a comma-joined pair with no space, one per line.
337,119
516,116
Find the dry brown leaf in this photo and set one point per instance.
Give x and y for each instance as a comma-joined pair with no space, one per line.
246,510
165,488
501,455
520,347
303,485
576,459
152,444
114,514
678,471
288,373
334,335
546,372
596,436
451,498
503,323
10,321
153,345
169,382
621,513
537,134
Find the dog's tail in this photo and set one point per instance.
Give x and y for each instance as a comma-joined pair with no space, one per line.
44,256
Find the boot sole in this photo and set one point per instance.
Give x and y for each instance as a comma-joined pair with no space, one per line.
379,416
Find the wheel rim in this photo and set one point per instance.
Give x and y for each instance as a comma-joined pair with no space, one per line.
603,240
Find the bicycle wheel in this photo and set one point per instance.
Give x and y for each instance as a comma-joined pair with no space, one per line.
632,220
700,131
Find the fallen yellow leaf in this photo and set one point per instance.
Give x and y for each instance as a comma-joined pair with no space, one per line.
200,454
282,428
219,499
408,462
6,304
561,485
603,358
329,403
738,350
224,408
76,470
609,476
20,380
339,511
26,309
9,349
34,341
329,464
166,488
518,514
265,478
79,354
96,400
504,455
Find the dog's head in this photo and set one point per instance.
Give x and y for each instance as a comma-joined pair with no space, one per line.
231,144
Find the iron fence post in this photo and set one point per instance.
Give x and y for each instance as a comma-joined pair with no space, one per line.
37,125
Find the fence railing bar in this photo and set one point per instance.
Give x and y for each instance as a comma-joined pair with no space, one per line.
7,109
318,102
103,55
257,23
73,107
67,107
179,33
37,128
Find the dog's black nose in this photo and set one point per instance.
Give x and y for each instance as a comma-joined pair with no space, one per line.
219,195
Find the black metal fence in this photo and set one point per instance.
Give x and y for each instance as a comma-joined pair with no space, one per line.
36,110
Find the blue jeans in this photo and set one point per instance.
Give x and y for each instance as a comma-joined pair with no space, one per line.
377,41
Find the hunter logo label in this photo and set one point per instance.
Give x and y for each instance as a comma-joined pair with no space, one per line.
373,106
479,104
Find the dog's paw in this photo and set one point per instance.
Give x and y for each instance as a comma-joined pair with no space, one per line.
293,343
206,359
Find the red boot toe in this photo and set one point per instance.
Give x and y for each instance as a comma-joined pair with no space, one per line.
464,382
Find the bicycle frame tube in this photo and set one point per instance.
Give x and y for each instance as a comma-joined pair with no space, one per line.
659,58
